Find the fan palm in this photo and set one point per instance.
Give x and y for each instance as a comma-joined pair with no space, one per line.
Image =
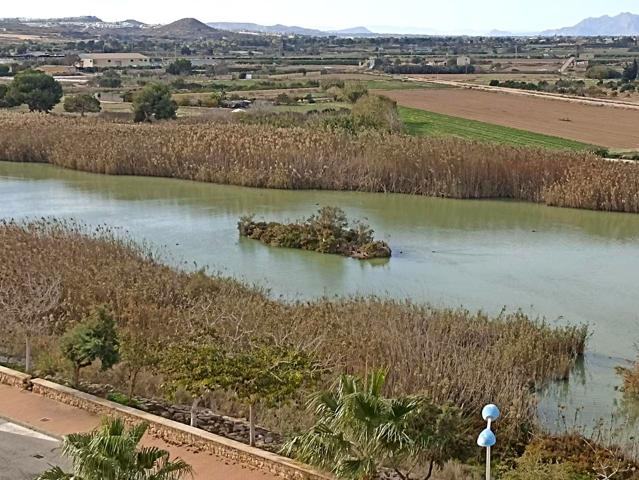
358,431
111,452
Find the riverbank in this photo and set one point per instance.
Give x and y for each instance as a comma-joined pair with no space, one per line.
293,158
428,350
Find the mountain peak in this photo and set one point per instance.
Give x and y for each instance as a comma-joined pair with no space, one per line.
625,23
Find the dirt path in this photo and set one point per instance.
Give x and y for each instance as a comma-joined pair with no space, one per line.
57,419
612,127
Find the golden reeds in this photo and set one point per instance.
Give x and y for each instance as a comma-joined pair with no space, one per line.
292,158
451,355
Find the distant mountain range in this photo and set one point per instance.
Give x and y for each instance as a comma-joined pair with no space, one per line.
288,30
622,24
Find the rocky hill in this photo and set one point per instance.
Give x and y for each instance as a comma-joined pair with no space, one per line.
622,24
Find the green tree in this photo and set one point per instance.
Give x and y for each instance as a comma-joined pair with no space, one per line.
82,104
110,79
358,431
181,66
111,452
259,373
353,91
630,71
154,102
268,374
41,92
5,70
94,338
139,350
195,367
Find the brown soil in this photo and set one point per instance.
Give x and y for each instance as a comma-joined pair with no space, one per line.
612,127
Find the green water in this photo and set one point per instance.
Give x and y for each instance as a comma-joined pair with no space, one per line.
569,266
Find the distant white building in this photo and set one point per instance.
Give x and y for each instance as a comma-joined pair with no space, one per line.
106,60
463,61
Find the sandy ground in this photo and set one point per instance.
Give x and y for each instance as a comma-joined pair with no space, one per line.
616,128
57,419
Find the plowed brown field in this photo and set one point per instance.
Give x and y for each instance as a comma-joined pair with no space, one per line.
612,127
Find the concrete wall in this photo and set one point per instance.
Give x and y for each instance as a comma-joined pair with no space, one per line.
174,432
14,378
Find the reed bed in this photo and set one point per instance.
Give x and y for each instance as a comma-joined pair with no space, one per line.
296,158
455,356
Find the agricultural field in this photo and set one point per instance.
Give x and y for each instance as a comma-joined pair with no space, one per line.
610,127
421,122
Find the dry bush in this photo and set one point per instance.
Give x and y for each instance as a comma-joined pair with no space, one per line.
630,379
456,356
295,158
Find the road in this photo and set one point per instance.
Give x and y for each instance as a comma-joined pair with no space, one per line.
25,453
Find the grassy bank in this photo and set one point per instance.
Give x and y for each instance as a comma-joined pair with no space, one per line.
446,354
296,158
422,122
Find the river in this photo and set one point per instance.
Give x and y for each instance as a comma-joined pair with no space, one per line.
569,266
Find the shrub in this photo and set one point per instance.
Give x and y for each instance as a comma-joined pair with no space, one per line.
180,66
571,457
154,102
602,72
373,111
353,91
110,79
122,399
82,104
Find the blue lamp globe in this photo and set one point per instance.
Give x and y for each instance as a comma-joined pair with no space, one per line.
490,412
486,439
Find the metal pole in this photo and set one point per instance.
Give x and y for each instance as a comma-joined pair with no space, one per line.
488,454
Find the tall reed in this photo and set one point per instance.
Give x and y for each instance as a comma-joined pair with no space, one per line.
452,355
294,158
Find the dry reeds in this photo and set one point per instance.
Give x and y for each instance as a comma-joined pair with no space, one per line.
294,158
451,355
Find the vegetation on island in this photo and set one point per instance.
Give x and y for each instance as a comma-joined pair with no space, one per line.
183,316
301,158
327,231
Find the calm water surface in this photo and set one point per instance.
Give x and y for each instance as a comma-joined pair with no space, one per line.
569,266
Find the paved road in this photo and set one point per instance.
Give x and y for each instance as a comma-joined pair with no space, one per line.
24,453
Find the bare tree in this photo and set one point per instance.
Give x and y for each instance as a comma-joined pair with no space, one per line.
27,304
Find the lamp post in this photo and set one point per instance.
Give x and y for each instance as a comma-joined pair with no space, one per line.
487,438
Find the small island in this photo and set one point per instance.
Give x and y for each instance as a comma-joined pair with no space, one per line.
328,231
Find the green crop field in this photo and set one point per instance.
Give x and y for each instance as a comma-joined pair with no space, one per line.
421,122
394,84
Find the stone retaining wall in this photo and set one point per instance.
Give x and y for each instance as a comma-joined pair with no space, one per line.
176,433
14,378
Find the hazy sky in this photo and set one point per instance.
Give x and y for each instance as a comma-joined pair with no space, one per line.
446,16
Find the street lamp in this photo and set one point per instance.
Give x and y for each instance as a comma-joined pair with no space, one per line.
487,438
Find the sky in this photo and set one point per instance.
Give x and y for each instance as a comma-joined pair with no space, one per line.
402,16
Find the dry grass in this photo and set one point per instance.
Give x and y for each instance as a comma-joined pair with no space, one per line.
452,355
262,156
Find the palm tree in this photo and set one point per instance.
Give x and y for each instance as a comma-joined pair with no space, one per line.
359,431
111,453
